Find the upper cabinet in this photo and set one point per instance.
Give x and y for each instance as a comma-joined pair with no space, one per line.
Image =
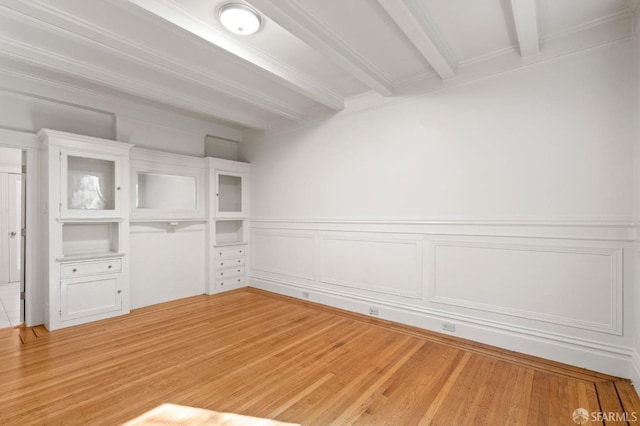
230,188
91,185
92,172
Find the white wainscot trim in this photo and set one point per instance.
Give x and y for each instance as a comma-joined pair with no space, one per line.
366,262
599,356
613,291
293,253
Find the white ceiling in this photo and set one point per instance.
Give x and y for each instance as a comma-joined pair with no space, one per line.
310,55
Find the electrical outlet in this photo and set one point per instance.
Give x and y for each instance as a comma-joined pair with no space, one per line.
448,326
305,294
373,311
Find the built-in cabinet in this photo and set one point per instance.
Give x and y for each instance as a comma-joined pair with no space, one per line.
228,223
85,195
93,188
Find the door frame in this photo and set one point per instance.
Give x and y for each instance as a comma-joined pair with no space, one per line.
34,287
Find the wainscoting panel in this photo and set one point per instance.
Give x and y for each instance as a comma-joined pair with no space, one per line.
382,265
572,286
283,253
547,288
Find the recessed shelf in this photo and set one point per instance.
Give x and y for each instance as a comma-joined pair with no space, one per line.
229,232
90,239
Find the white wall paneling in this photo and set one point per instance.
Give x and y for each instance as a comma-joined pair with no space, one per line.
381,265
557,297
289,254
579,286
166,264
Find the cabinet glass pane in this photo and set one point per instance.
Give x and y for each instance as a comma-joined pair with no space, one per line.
229,193
165,192
90,184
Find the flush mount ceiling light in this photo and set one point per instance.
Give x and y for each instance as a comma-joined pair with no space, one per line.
239,18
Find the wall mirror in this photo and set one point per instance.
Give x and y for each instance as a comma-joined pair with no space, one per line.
160,191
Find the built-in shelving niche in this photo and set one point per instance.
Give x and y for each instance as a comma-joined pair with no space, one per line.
80,240
229,232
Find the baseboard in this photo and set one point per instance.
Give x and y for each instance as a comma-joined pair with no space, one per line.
597,356
634,369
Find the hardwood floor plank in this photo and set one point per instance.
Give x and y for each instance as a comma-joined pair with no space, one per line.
262,355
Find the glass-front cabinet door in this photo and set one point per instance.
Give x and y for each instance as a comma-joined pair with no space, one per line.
90,186
231,194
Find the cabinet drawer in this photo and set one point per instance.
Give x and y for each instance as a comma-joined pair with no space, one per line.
90,268
228,282
229,252
229,263
222,274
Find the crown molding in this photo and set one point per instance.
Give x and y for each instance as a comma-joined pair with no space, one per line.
39,87
308,28
48,59
172,15
49,18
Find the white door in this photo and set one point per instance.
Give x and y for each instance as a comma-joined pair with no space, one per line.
15,223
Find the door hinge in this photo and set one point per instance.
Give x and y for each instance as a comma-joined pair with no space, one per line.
23,232
23,295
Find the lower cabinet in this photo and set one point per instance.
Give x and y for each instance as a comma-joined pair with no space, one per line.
229,269
92,294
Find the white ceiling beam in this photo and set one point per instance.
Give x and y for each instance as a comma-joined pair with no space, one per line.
48,59
291,16
526,24
409,24
283,74
45,15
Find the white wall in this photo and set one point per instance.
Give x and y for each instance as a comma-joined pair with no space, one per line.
505,206
166,265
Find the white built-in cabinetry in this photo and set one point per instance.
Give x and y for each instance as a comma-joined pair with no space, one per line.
228,223
86,224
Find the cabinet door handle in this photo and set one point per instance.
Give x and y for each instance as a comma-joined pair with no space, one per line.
221,273
118,188
239,270
13,234
110,266
119,291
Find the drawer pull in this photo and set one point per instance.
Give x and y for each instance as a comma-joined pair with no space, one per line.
239,280
240,251
74,270
239,261
110,266
239,270
221,263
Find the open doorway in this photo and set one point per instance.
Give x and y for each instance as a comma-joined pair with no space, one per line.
12,215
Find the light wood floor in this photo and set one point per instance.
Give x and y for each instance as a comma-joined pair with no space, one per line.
252,353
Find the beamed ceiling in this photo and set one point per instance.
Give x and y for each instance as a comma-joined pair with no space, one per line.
310,55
